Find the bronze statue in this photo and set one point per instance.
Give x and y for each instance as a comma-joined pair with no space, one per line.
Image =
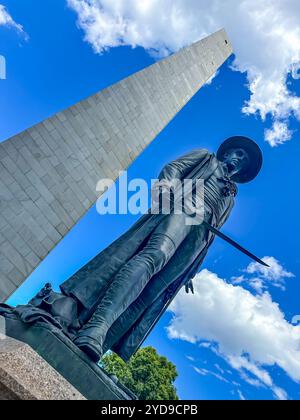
117,298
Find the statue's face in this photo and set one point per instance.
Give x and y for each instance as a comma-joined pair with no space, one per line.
236,160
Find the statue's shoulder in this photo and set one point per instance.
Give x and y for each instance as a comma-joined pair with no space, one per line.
195,156
201,152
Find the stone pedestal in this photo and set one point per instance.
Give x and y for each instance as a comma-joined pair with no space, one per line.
24,375
49,354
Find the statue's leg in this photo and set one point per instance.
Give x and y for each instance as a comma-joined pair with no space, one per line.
157,287
131,281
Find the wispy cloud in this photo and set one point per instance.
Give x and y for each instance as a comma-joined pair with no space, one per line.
261,278
265,34
241,396
206,372
7,20
278,134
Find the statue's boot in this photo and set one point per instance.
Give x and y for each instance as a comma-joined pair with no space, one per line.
124,290
129,283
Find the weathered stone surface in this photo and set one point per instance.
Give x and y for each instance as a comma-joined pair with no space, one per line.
68,360
24,375
48,173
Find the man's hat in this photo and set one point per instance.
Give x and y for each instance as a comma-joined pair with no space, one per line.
251,171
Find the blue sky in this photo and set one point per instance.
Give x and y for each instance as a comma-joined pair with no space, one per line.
50,67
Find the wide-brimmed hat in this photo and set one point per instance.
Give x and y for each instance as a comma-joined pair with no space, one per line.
249,172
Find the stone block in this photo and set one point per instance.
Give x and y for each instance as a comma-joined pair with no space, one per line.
24,375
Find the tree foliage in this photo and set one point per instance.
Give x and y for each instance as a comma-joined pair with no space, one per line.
147,374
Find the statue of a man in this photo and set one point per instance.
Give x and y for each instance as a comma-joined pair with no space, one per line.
117,298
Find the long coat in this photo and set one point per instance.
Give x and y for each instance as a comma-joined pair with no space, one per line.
90,283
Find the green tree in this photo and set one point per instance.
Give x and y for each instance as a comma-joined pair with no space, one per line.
147,374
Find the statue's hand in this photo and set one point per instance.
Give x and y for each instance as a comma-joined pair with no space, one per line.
189,287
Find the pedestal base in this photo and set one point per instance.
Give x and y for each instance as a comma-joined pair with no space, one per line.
24,375
67,360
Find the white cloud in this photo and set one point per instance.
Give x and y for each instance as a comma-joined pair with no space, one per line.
250,332
202,372
296,71
7,20
241,396
265,34
278,134
280,393
260,278
218,367
205,372
275,271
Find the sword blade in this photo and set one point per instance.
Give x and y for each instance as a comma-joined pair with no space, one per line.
234,244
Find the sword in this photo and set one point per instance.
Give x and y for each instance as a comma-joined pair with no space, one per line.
234,244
